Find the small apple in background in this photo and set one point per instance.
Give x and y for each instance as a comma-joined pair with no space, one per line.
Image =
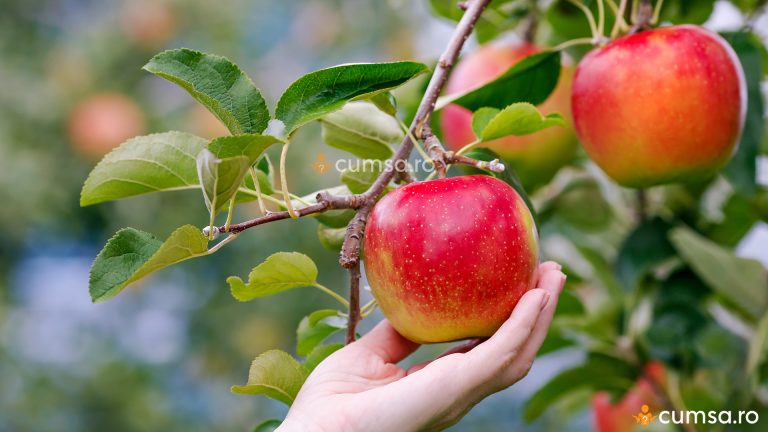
660,106
201,122
102,121
448,259
149,23
619,416
537,157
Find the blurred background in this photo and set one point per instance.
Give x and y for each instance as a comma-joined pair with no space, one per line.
163,355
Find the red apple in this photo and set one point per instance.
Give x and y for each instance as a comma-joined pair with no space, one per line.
102,121
536,158
660,106
619,416
448,259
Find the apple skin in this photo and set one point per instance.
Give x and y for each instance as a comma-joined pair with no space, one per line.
537,157
617,417
660,106
448,259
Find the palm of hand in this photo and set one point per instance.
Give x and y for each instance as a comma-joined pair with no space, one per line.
361,387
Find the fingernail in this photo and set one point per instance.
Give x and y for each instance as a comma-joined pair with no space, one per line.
544,300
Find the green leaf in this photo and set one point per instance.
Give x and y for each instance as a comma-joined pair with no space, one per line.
220,178
251,146
223,171
599,372
319,93
320,353
386,102
276,375
359,178
530,80
216,83
519,118
758,348
132,254
481,118
279,272
267,426
742,169
582,205
145,164
644,248
315,328
331,238
741,282
363,130
508,176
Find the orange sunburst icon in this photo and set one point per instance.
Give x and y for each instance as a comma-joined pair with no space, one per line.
321,165
645,416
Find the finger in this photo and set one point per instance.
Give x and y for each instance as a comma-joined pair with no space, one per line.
497,353
385,342
552,282
455,382
462,348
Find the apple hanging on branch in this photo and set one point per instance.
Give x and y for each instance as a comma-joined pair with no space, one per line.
660,106
448,259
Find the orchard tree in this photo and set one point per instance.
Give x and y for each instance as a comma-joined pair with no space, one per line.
645,220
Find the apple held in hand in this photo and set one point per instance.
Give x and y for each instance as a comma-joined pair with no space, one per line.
660,106
448,259
537,157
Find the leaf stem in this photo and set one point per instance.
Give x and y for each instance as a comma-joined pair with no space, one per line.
601,18
574,42
657,12
589,15
222,243
261,195
229,212
255,177
368,308
211,223
619,24
331,293
300,199
284,183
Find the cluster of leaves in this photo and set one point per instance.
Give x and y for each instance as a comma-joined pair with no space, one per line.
358,115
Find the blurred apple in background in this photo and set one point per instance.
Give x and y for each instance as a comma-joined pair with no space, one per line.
102,121
149,23
537,157
202,123
618,416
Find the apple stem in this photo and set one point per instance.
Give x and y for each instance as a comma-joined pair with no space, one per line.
642,206
354,302
643,17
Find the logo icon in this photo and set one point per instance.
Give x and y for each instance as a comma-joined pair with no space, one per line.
645,416
321,165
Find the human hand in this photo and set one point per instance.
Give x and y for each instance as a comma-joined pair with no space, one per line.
361,387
